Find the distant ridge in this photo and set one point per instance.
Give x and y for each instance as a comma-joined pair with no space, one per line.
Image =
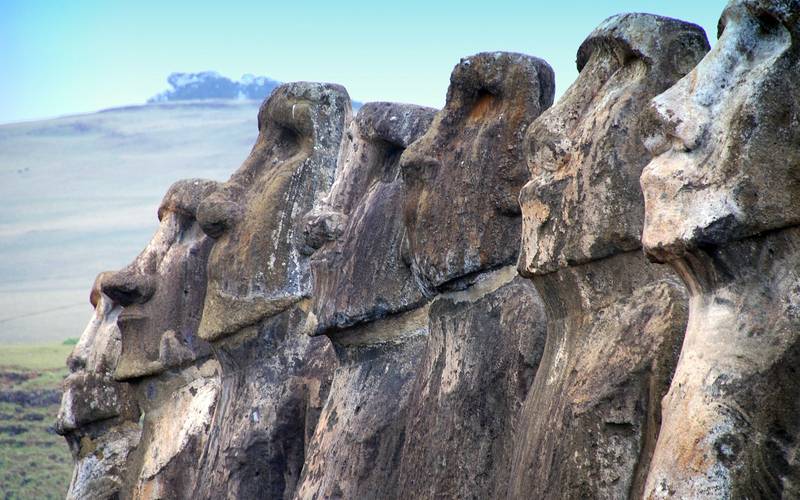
212,85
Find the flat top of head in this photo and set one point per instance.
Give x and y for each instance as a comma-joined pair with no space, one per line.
396,123
648,37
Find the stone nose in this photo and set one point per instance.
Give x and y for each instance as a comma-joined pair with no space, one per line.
128,287
217,214
675,123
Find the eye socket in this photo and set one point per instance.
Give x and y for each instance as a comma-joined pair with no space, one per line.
768,24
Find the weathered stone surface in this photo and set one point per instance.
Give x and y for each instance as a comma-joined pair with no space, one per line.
358,270
614,322
355,451
586,152
463,177
721,207
102,460
275,380
163,289
590,420
98,415
256,268
369,336
360,277
178,408
726,137
484,348
730,426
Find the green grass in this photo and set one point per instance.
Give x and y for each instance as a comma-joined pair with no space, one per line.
32,357
35,462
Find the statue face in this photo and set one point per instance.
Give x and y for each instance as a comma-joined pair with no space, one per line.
726,163
162,291
90,392
585,154
463,177
256,268
358,271
98,415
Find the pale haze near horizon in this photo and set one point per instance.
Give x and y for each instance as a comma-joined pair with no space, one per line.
61,58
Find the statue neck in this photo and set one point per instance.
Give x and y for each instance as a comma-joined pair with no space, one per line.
586,288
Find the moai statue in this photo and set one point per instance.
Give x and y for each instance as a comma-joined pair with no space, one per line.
163,289
98,415
162,357
486,329
614,322
361,271
257,268
274,377
365,299
464,175
721,198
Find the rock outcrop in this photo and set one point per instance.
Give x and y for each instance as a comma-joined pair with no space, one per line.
415,303
721,207
614,322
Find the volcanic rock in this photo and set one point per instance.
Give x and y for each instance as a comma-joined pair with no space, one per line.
462,178
256,268
614,322
721,207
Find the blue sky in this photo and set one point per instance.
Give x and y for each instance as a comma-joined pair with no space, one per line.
64,57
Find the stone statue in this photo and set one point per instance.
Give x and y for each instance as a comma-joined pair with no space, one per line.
99,416
360,270
362,285
256,268
721,208
463,176
176,385
345,316
614,322
163,289
275,378
462,219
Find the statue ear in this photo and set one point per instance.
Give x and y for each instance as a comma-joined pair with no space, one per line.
405,250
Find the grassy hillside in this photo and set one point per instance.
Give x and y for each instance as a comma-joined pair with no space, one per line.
34,461
80,195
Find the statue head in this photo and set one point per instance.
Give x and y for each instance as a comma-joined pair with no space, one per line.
98,415
163,289
585,154
726,163
462,178
358,269
257,268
